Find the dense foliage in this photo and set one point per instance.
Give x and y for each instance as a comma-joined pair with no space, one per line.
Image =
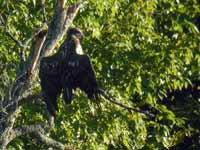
145,53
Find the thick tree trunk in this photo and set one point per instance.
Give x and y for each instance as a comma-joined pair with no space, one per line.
42,46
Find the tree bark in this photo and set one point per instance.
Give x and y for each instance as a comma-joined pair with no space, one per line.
43,44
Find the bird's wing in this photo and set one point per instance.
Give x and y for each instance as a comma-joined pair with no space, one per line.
49,65
84,76
50,82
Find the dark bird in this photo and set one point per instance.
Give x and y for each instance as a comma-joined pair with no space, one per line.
67,70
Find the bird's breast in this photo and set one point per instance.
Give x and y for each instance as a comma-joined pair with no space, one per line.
79,49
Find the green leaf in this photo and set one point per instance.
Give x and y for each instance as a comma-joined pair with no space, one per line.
191,26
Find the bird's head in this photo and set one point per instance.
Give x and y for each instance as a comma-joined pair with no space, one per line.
75,34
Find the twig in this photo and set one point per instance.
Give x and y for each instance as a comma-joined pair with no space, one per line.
112,100
19,43
22,45
40,29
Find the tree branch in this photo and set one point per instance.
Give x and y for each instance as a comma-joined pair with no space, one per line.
42,46
112,100
39,131
35,53
62,19
6,134
22,45
19,43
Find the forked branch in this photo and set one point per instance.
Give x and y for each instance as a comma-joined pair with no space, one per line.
42,46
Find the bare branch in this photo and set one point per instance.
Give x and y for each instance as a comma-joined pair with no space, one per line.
19,43
6,133
71,13
61,3
51,142
22,45
62,19
112,100
38,130
26,42
32,98
35,53
38,30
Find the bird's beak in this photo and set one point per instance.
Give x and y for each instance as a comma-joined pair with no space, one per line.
77,37
74,37
80,36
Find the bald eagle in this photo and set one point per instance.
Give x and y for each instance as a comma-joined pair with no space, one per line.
67,70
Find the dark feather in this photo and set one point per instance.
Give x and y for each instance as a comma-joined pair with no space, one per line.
82,75
50,82
67,70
